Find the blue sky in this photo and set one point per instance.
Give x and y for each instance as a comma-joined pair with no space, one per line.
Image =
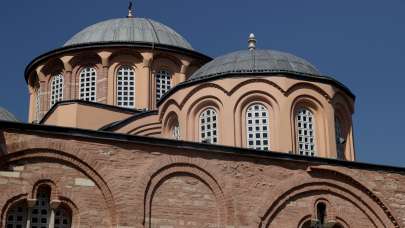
360,43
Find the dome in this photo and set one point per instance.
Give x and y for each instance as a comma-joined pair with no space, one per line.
129,30
255,61
6,115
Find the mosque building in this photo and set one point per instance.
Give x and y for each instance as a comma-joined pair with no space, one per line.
131,127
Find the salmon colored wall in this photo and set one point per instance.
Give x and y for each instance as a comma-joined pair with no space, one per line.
82,116
230,97
106,62
281,95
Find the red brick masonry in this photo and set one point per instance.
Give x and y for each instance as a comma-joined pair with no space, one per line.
111,180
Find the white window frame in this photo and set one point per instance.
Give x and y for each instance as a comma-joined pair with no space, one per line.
125,87
57,88
88,84
305,132
38,105
257,127
176,131
208,126
340,146
163,84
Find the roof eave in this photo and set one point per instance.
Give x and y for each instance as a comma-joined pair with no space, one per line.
293,74
113,44
206,148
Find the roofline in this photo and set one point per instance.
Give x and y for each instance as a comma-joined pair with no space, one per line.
208,148
112,44
118,124
87,103
289,74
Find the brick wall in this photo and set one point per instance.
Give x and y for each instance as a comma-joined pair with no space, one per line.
127,184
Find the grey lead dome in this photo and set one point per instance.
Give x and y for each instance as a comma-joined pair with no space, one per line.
6,115
129,30
255,61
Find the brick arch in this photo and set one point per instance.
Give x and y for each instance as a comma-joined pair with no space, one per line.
302,184
359,185
163,168
255,80
43,179
168,103
330,207
306,85
201,87
240,106
17,198
24,197
75,216
342,98
69,159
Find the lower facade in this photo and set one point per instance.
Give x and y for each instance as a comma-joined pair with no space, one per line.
62,178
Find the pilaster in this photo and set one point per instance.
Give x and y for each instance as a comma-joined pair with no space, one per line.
143,84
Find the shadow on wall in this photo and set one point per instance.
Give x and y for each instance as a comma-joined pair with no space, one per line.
3,150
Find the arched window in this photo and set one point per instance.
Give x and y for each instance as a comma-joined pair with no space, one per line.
307,224
208,126
88,80
41,215
340,140
257,127
321,213
163,80
126,87
305,132
17,216
176,131
62,218
38,105
56,89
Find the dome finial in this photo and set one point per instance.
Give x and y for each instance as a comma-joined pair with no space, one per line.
130,10
252,42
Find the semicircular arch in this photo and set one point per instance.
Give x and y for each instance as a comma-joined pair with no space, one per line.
69,159
166,167
348,188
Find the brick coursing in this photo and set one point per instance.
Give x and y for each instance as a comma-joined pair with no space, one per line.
154,186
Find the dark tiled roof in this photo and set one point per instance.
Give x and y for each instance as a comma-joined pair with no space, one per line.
6,115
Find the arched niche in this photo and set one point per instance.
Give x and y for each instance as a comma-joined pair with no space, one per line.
347,198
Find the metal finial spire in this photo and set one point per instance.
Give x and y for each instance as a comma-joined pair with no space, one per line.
252,42
130,10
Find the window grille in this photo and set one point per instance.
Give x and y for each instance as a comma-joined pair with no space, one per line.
88,80
305,132
208,126
16,217
257,127
38,105
176,131
126,87
340,143
40,213
62,218
163,80
56,89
